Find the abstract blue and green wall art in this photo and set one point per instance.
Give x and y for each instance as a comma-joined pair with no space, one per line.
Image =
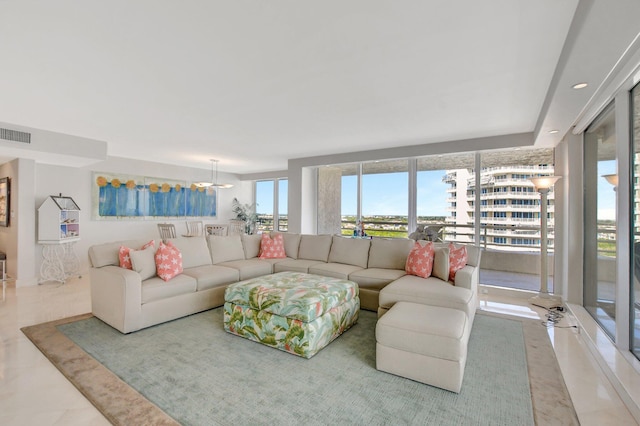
127,196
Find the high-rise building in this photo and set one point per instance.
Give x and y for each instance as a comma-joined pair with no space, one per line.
509,206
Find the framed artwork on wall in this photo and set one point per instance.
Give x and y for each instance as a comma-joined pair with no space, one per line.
141,197
5,196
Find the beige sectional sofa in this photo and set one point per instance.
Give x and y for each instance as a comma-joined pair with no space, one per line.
130,300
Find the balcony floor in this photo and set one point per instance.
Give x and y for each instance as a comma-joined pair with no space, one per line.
515,280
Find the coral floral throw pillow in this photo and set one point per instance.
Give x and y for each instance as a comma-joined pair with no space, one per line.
125,259
420,260
457,260
272,247
168,261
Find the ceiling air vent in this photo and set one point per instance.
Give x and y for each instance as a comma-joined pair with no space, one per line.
14,135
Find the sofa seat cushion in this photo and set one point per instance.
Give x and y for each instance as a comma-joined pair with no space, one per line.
249,268
156,288
295,265
335,270
428,291
273,262
209,276
376,278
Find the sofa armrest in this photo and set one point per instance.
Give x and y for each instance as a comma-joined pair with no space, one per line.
468,277
116,297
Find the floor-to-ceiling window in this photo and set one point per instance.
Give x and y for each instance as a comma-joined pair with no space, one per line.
271,204
283,205
635,224
600,181
264,204
443,207
349,197
385,199
510,219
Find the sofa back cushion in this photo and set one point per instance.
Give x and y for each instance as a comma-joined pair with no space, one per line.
314,247
251,245
389,253
473,255
291,244
225,249
107,254
350,251
194,251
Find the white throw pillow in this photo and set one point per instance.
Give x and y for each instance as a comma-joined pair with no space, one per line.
143,262
441,264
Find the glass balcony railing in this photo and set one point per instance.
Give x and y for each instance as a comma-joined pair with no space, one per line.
504,245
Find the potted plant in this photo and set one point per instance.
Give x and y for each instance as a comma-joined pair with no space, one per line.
245,213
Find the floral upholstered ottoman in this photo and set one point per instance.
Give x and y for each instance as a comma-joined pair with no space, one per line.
292,311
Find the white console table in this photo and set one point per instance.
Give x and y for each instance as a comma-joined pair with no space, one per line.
59,261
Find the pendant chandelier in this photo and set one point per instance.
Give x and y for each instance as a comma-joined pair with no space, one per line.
213,182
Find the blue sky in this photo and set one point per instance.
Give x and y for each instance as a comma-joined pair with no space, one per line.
386,194
606,194
383,194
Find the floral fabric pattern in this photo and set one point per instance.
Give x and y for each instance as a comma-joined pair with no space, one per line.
291,335
294,295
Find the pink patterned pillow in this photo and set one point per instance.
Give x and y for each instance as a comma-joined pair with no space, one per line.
168,261
457,260
420,260
272,247
125,259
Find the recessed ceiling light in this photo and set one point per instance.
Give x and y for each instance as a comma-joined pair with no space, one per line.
553,132
579,85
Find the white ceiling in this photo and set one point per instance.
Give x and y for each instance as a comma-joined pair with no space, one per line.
255,83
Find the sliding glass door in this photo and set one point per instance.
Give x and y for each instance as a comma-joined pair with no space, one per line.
600,183
635,224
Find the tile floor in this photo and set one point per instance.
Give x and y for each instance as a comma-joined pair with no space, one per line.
33,392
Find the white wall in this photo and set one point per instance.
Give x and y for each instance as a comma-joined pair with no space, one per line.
78,183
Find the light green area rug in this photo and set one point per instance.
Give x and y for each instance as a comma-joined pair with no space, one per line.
200,375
